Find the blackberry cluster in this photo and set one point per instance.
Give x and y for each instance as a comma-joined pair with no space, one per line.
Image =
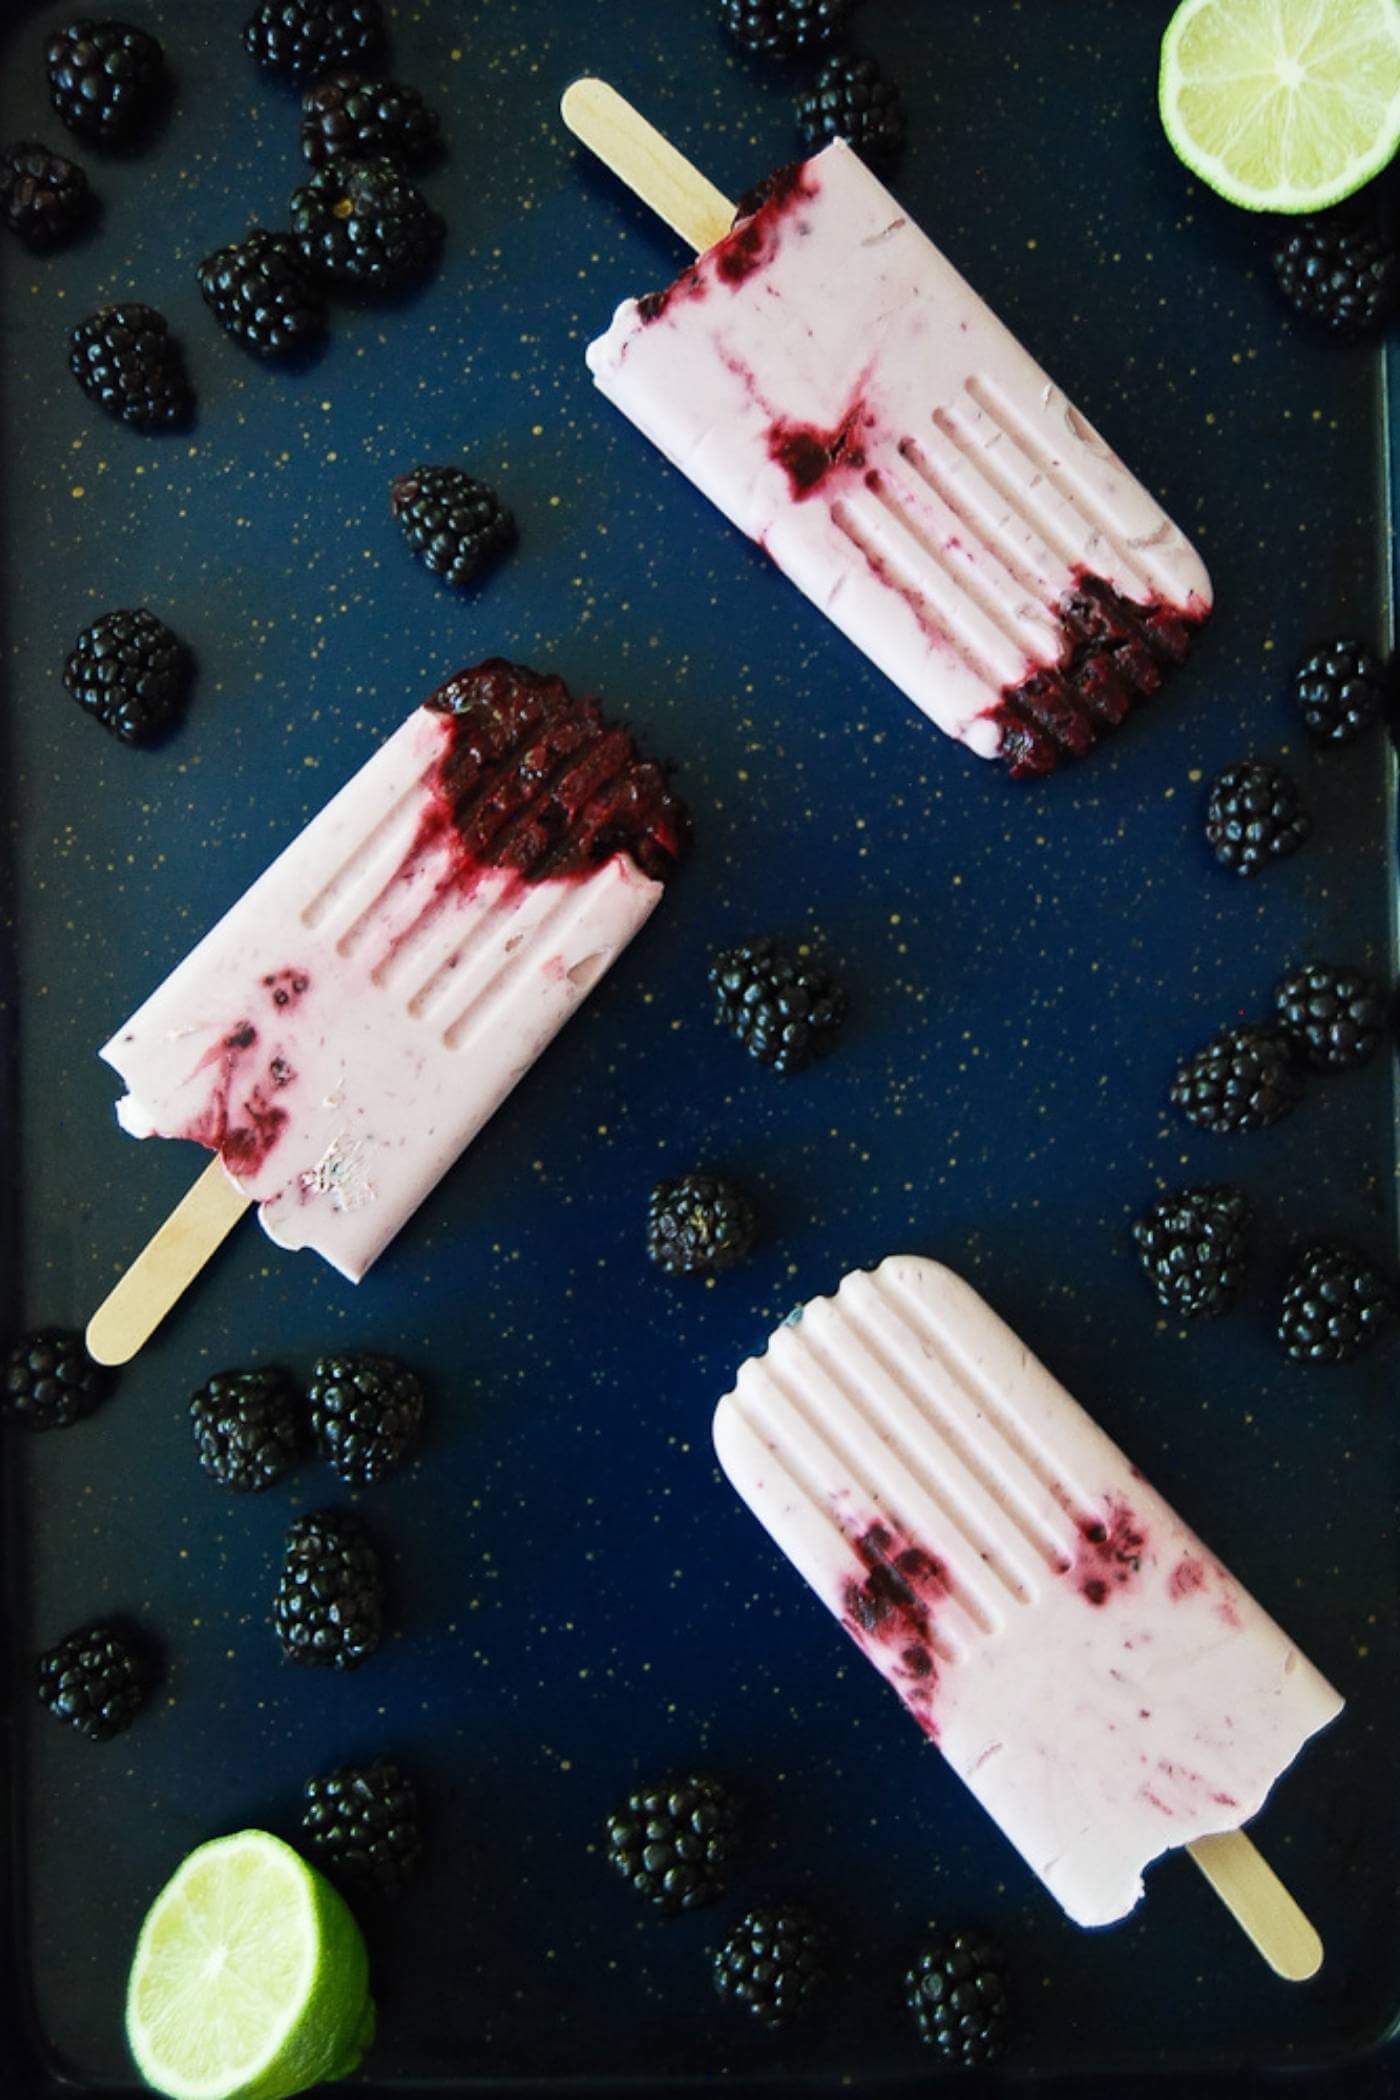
1335,1304
51,1381
1341,691
782,28
699,1225
1244,1079
1255,815
127,361
247,1428
786,1010
366,1415
301,39
348,116
852,99
1340,272
1334,1015
106,79
773,1963
97,1681
45,199
956,1990
261,290
674,1843
329,1606
131,674
454,523
1193,1246
363,226
361,1821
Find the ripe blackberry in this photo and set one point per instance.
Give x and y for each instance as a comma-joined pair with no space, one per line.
301,39
1335,1304
366,1415
1255,815
1339,271
127,361
456,524
675,1842
1243,1079
261,291
852,99
785,1010
363,225
781,28
773,1963
51,1381
329,1607
1341,690
131,674
96,1680
247,1428
699,1225
361,1821
350,116
105,79
44,198
1192,1246
1335,1015
956,1989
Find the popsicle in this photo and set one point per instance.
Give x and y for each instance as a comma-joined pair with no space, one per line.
344,1032
825,376
1096,1677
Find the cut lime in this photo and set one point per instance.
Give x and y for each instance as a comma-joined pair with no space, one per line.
250,1980
1283,105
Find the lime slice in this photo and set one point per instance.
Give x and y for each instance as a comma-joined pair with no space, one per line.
250,1979
1282,105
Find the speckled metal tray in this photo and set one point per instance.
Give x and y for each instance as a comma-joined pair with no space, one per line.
578,1600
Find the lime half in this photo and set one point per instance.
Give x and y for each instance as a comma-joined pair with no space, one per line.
1283,105
250,1979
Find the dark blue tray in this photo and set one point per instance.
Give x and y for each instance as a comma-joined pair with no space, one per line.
579,1600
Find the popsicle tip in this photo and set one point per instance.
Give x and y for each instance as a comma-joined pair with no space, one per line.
109,1343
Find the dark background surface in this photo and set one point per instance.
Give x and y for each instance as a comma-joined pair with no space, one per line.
579,1600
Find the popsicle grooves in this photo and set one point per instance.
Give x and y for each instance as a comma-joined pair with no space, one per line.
884,567
997,543
964,580
480,1010
402,815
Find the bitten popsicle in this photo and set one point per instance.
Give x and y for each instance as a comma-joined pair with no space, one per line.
1096,1677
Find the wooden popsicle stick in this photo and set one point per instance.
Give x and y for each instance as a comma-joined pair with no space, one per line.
166,1266
1259,1904
649,164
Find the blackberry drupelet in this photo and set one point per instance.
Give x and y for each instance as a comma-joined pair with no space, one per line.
329,1607
1243,1079
50,1380
247,1428
131,674
349,115
1341,690
699,1225
363,226
675,1843
782,28
45,199
956,1989
361,1821
456,524
1335,1304
773,1963
786,1010
1255,815
127,361
96,1680
1339,271
301,39
261,291
852,99
1192,1244
1335,1015
366,1415
106,79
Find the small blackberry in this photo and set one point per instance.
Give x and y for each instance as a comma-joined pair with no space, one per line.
785,1010
1335,1304
329,1606
455,523
1335,1015
51,1381
45,198
261,290
852,99
301,39
247,1428
127,361
1339,271
782,28
1341,690
366,1415
773,1963
1192,1244
363,225
674,1843
361,1821
106,79
699,1225
131,674
1255,815
1243,1079
96,1680
350,116
956,1989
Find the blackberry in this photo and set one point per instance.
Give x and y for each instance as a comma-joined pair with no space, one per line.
852,99
1335,1304
699,1225
45,198
106,79
301,39
1192,1246
1335,1015
96,1680
361,1821
1255,815
956,1989
131,674
1341,690
773,1963
366,1415
786,1010
348,115
1244,1079
51,1381
781,28
456,524
247,1428
363,225
261,290
127,361
329,1607
1339,271
675,1842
